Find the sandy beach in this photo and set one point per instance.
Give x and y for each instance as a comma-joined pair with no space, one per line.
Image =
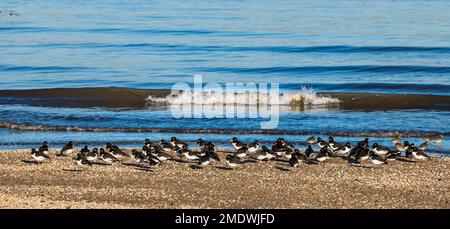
60,183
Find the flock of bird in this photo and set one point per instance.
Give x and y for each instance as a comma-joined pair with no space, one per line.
156,153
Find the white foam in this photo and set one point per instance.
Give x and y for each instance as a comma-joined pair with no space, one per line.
306,96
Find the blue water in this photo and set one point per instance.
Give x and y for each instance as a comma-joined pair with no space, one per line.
385,46
345,46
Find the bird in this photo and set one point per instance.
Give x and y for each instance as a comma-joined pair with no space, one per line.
263,154
299,155
177,142
402,146
418,154
209,156
110,147
201,144
67,149
392,155
168,147
379,149
311,140
323,154
153,160
286,143
161,155
361,151
39,156
293,161
84,150
321,143
343,150
82,161
236,143
92,156
138,156
116,151
376,158
188,154
44,148
309,151
242,152
427,137
232,161
438,138
107,156
332,144
423,146
253,147
396,139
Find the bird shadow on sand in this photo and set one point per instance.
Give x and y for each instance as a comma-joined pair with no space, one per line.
406,160
178,160
101,163
144,169
138,166
30,162
72,170
195,167
361,166
282,169
250,161
224,168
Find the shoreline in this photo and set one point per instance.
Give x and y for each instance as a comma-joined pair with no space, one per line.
117,97
332,184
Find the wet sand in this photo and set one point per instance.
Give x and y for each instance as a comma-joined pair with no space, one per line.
60,183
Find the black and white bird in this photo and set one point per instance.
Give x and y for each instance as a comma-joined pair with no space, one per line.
209,156
138,156
418,154
188,154
82,161
402,146
92,156
376,158
162,155
392,155
309,151
237,144
116,151
39,156
166,146
232,161
44,148
176,142
253,147
343,150
242,152
380,150
107,156
85,150
332,144
321,143
293,161
67,149
153,161
323,154
299,155
201,144
263,154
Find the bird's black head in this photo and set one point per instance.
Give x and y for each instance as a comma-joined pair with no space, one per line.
234,139
256,142
172,139
405,143
331,139
366,140
375,145
199,141
229,157
309,147
162,141
319,139
45,143
265,148
146,141
95,150
348,144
